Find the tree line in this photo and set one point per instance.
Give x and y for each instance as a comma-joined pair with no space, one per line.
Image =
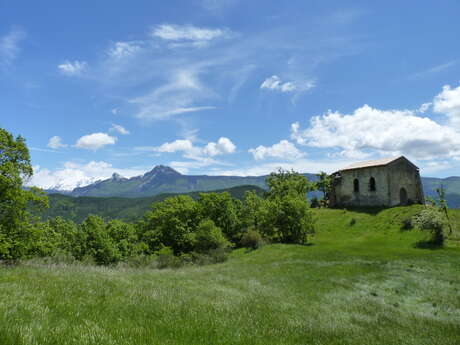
177,228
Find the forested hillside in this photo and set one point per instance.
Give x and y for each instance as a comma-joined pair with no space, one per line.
127,209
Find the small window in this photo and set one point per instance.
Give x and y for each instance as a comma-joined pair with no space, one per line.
372,187
356,185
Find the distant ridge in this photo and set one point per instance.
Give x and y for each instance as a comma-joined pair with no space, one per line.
164,179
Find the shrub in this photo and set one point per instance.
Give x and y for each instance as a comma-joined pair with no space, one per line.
314,202
352,221
407,224
252,239
213,256
167,259
208,237
432,220
139,261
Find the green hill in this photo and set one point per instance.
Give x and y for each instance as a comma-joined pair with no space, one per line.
128,209
355,284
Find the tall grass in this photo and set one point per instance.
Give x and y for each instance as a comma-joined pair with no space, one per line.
359,284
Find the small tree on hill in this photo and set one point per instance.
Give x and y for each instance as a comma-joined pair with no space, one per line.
285,214
324,185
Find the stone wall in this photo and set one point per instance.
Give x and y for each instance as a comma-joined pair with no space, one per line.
403,175
395,184
346,196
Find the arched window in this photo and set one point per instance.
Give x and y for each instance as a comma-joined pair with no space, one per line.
372,187
356,185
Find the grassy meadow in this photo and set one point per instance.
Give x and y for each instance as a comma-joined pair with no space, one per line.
360,281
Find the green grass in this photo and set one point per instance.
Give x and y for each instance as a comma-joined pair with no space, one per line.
356,284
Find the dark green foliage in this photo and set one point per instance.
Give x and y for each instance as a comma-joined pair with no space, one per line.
97,241
315,202
124,235
252,239
224,211
407,224
209,237
285,215
285,183
171,223
324,185
16,233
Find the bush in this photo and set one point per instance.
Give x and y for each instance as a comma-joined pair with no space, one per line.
140,261
352,221
208,237
167,259
407,224
252,239
314,202
432,220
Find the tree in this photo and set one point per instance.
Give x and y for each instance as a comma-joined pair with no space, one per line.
443,205
285,215
283,183
171,223
124,236
224,211
324,184
16,236
97,242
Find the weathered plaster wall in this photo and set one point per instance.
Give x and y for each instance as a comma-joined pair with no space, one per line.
404,176
346,196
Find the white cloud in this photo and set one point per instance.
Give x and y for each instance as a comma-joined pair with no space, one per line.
73,68
172,32
223,146
275,83
121,50
382,132
95,141
119,129
183,145
72,175
284,150
176,97
9,46
198,153
56,142
300,165
448,103
434,70
424,107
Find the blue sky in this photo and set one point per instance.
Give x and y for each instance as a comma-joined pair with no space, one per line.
229,87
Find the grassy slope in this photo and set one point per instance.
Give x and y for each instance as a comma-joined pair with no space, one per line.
359,284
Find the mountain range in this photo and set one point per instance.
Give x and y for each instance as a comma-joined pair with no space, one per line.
163,179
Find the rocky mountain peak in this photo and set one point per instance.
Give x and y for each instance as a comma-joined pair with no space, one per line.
117,177
161,170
